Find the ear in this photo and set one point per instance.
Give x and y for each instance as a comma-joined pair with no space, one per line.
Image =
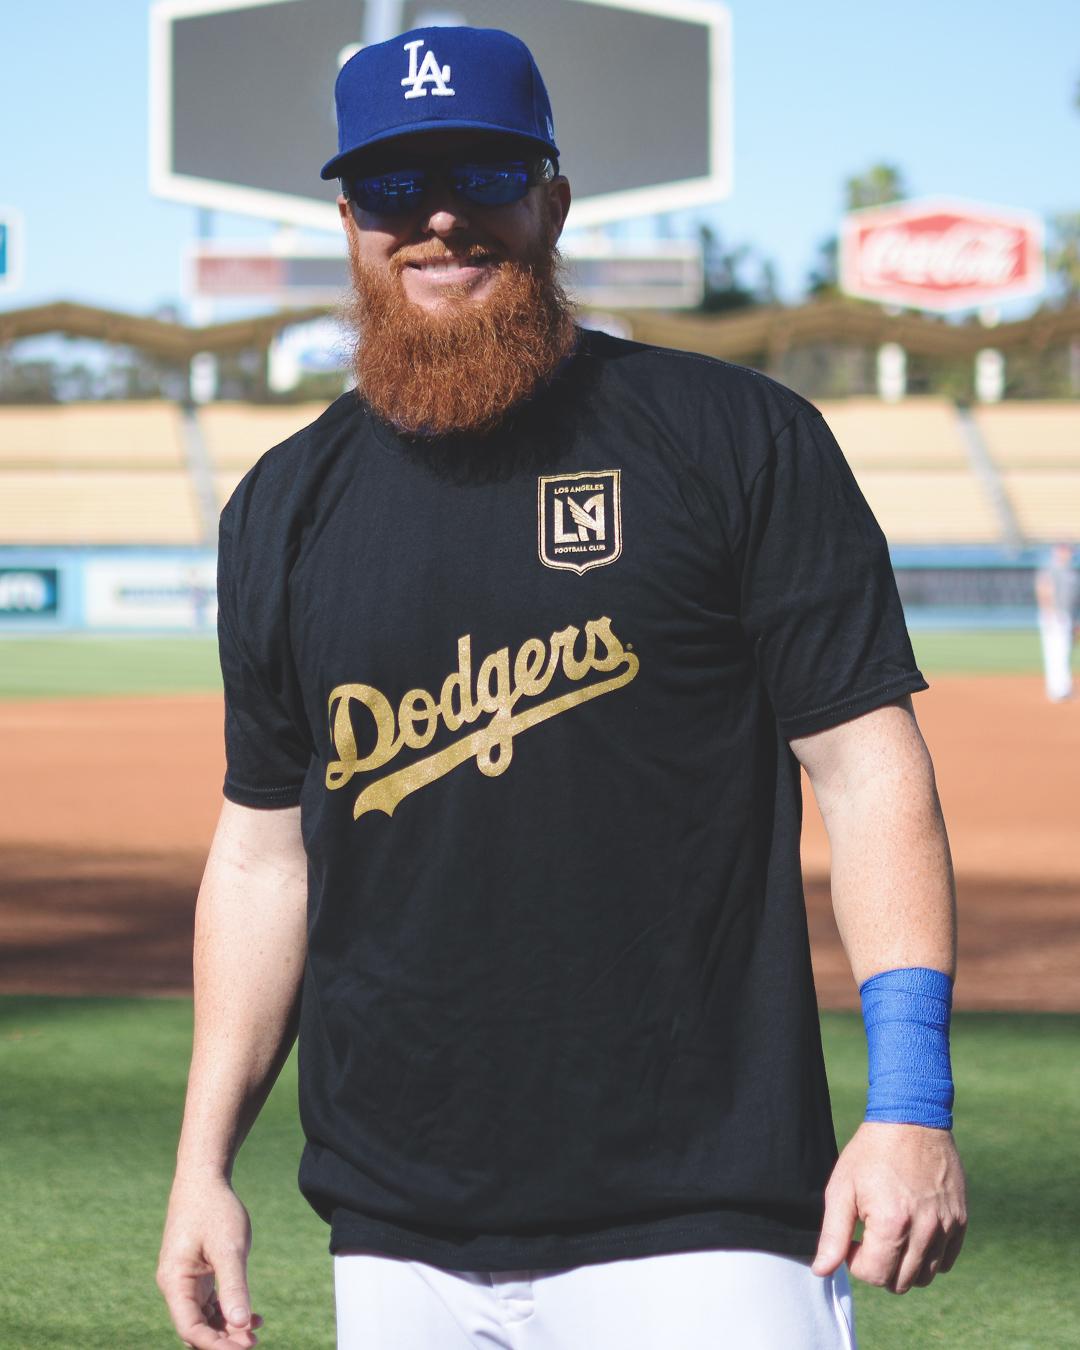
344,207
558,204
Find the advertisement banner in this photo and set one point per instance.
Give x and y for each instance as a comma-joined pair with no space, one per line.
941,254
29,592
178,593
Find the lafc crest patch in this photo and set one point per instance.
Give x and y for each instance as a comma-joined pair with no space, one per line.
579,520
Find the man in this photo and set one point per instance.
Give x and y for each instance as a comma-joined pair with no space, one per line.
1057,588
522,649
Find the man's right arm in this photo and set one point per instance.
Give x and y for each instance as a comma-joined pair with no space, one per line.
250,948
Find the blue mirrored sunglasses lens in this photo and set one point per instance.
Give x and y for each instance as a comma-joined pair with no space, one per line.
387,193
490,184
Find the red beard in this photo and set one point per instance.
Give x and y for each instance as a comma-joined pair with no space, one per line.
459,372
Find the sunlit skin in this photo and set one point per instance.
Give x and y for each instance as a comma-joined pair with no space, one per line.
444,228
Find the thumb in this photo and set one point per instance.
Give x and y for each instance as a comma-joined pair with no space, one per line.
233,1297
837,1229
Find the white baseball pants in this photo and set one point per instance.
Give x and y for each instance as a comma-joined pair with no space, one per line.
708,1300
1056,631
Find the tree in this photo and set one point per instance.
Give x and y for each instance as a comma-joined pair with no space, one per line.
1063,257
881,183
724,288
878,185
824,277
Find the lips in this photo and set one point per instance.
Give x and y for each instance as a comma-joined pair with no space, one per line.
430,266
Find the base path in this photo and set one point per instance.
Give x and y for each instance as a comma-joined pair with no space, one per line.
107,808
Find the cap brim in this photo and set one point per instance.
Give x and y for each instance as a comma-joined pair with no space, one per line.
333,168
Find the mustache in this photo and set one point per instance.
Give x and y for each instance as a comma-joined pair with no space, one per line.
435,250
460,373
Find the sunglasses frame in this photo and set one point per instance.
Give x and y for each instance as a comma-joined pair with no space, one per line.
539,171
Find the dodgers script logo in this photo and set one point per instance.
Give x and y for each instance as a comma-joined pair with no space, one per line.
492,746
428,72
579,520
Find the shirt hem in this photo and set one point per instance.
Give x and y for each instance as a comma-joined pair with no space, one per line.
730,1230
261,798
832,714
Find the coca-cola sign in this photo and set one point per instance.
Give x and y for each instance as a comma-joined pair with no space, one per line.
941,254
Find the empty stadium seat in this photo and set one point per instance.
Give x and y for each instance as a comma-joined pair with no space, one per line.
102,435
237,435
943,507
919,433
115,473
1024,435
1046,502
1036,447
79,507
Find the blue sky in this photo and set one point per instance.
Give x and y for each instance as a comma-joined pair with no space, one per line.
973,99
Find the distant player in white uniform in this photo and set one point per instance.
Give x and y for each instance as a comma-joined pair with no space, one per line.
1057,588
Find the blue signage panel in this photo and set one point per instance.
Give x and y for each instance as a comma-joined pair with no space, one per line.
10,248
29,592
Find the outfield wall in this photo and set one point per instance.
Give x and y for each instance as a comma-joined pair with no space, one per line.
143,590
173,590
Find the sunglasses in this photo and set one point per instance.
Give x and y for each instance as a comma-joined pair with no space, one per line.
482,183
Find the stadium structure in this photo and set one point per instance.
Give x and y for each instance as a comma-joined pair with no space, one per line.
108,510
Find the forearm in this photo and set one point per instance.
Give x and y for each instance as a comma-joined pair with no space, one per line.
250,944
892,881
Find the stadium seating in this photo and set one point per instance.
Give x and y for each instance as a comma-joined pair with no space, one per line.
237,434
69,506
115,473
917,434
92,435
1037,448
911,464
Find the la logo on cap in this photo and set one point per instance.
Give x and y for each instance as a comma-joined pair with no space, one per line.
428,71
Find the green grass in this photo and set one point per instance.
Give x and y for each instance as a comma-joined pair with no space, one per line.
89,1118
90,1111
76,666
986,651
1017,1284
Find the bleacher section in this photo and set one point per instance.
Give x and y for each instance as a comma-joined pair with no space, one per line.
237,434
110,506
912,467
1037,450
912,464
917,435
115,473
95,473
92,435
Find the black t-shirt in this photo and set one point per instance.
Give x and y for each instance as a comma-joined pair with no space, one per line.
533,696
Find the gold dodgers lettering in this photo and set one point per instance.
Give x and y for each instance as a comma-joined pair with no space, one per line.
493,745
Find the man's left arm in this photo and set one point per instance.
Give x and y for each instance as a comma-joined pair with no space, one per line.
895,907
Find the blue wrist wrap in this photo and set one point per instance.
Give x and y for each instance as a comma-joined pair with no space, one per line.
906,1013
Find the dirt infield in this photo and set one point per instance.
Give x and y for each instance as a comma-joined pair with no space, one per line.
107,807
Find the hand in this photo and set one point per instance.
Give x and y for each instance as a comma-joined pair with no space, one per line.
208,1235
906,1183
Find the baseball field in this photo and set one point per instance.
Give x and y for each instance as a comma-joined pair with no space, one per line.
112,768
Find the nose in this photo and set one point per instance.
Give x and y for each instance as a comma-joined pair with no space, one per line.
444,210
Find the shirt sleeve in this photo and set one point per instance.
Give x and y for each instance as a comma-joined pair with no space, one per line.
818,601
267,747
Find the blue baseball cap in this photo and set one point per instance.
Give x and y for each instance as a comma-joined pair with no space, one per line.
440,79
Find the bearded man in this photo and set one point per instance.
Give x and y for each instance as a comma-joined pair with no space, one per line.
523,644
